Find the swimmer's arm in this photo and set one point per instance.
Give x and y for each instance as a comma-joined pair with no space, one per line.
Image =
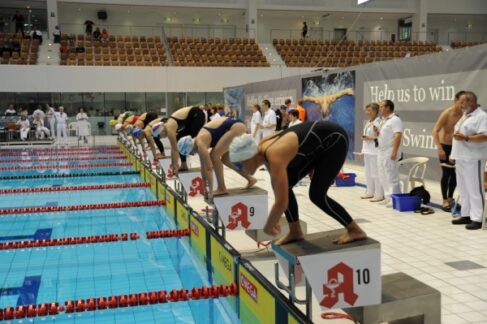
150,140
440,123
174,151
280,186
206,165
337,95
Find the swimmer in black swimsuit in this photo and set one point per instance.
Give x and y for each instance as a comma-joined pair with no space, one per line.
183,122
216,135
316,148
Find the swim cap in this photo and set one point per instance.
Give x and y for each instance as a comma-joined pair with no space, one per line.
118,127
137,132
112,122
157,129
185,145
242,148
129,128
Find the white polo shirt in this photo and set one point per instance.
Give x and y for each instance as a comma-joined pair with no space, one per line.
61,117
368,147
389,126
269,119
470,124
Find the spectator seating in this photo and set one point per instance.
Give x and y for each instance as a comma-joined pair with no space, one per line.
187,51
118,51
460,44
28,49
333,53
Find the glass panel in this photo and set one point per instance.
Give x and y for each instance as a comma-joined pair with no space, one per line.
27,101
156,102
94,103
214,97
135,101
114,103
71,102
175,100
6,98
195,98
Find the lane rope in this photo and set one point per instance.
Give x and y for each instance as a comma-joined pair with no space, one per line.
68,175
75,188
70,166
110,157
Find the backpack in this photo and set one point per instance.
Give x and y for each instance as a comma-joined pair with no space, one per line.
422,193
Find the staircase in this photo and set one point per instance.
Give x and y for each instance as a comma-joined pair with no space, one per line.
271,54
48,53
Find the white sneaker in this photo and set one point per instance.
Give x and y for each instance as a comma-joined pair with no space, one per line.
386,202
366,197
377,199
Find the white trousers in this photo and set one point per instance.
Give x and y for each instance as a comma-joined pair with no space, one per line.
388,173
41,132
24,133
470,183
52,122
62,136
374,187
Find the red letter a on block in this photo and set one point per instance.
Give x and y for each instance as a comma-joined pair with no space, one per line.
334,287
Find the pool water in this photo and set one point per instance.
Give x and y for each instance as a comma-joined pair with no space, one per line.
61,273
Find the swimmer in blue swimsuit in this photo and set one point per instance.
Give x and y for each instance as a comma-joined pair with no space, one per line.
217,136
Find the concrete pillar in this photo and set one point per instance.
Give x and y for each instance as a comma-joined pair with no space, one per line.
52,18
251,19
420,20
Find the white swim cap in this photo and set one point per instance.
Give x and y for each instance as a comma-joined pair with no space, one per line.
185,145
157,129
242,148
118,127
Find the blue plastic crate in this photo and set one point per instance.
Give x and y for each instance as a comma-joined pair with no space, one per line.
349,182
405,202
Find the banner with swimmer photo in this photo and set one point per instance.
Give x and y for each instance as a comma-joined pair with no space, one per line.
331,97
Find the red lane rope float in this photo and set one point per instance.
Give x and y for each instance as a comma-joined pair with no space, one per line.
106,238
119,301
48,209
60,153
71,149
167,233
71,166
75,188
111,157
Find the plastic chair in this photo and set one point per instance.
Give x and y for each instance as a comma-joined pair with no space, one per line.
417,169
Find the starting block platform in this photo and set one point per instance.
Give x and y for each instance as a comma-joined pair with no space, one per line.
339,275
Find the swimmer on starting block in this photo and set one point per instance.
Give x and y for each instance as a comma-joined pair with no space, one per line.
316,148
140,132
217,135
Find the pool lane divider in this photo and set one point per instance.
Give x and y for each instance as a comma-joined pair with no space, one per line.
68,175
71,149
70,166
75,188
92,239
49,209
109,157
119,301
58,153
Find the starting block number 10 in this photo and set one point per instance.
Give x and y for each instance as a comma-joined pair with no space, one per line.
363,276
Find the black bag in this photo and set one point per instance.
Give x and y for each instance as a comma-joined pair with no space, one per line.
422,193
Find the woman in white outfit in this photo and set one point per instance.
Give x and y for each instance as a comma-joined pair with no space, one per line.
51,119
41,130
369,151
24,124
61,123
256,120
83,125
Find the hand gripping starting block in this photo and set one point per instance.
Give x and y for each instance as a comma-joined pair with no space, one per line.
166,166
339,275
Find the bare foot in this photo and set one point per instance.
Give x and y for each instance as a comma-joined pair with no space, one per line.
251,182
217,193
289,238
350,236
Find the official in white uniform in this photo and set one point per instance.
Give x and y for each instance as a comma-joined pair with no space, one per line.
389,139
51,119
469,150
41,130
24,124
62,123
255,121
269,121
83,125
369,150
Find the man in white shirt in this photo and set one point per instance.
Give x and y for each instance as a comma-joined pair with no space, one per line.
269,120
389,139
61,122
469,150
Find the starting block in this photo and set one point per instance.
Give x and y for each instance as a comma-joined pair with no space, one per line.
165,164
192,182
339,275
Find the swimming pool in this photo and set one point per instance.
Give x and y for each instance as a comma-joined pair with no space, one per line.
82,271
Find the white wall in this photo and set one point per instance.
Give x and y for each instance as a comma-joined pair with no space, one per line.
458,27
475,7
49,78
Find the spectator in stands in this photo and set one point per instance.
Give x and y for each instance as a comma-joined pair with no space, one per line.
41,130
36,33
83,125
294,118
469,149
301,111
80,48
208,112
288,105
19,22
10,111
304,31
104,37
389,137
72,46
24,124
2,25
16,46
443,137
255,121
97,34
89,27
63,49
278,119
62,123
51,118
57,35
284,117
6,47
